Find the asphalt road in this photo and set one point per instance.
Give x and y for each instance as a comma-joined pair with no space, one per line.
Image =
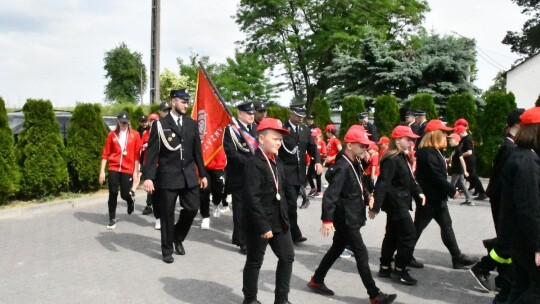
66,255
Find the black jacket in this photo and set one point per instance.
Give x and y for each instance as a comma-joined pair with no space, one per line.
467,144
396,187
372,129
263,211
295,164
519,216
175,169
431,175
236,158
343,201
495,179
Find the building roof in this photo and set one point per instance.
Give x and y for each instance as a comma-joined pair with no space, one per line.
521,63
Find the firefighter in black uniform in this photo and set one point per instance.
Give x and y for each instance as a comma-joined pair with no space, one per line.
293,154
410,122
498,254
363,120
394,191
266,214
344,211
519,222
175,146
238,153
261,110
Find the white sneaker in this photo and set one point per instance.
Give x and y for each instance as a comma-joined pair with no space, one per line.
205,224
345,254
225,209
228,199
217,210
111,225
158,224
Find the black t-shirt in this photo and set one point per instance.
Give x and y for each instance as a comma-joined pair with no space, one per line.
456,163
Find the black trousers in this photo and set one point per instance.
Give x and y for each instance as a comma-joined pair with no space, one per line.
401,237
473,178
526,284
440,213
216,184
122,181
353,238
291,195
152,199
239,235
312,175
282,246
189,200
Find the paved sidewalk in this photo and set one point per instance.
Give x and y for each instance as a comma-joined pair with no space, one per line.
65,255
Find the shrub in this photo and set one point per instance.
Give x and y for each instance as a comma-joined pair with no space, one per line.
321,110
386,114
279,112
9,172
85,140
40,152
351,106
426,103
462,106
493,121
537,103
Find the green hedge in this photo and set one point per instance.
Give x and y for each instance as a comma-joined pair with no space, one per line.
426,103
493,121
9,172
40,152
462,106
279,112
321,110
386,114
351,106
85,140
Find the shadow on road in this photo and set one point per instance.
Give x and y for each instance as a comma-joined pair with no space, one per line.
206,292
139,243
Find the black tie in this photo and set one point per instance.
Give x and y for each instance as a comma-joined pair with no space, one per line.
249,128
179,123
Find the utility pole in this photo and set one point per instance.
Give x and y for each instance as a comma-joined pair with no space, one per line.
154,52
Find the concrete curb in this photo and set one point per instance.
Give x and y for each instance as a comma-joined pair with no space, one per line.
58,205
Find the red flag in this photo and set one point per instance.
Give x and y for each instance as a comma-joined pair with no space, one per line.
212,118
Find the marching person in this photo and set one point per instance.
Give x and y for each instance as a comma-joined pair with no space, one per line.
266,214
344,212
371,129
394,192
238,153
520,209
152,199
261,110
420,121
498,253
459,167
410,121
310,122
216,186
383,146
174,161
164,108
334,145
373,168
292,153
316,187
431,175
143,125
467,148
121,153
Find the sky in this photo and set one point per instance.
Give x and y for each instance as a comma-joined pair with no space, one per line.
55,49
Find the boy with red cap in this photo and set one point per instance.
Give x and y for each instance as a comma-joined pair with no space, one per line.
316,133
344,211
266,216
373,168
459,167
394,193
383,146
467,148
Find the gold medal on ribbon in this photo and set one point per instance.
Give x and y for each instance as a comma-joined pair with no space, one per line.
278,197
169,139
173,135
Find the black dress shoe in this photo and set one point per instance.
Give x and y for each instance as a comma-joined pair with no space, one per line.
251,302
299,240
147,210
168,259
179,248
320,288
414,263
243,249
131,207
305,204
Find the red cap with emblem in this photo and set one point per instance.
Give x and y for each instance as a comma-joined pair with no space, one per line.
316,132
403,131
355,135
329,127
272,124
530,116
461,122
436,124
460,129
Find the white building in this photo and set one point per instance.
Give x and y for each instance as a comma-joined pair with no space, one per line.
524,81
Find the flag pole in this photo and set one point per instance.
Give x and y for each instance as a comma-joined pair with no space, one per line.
214,88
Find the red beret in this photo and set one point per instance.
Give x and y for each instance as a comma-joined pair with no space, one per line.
530,116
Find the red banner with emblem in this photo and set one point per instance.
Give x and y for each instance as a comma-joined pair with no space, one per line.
211,116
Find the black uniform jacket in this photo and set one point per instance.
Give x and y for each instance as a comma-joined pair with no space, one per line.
343,200
431,175
295,164
519,215
263,211
495,179
175,169
236,158
396,187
